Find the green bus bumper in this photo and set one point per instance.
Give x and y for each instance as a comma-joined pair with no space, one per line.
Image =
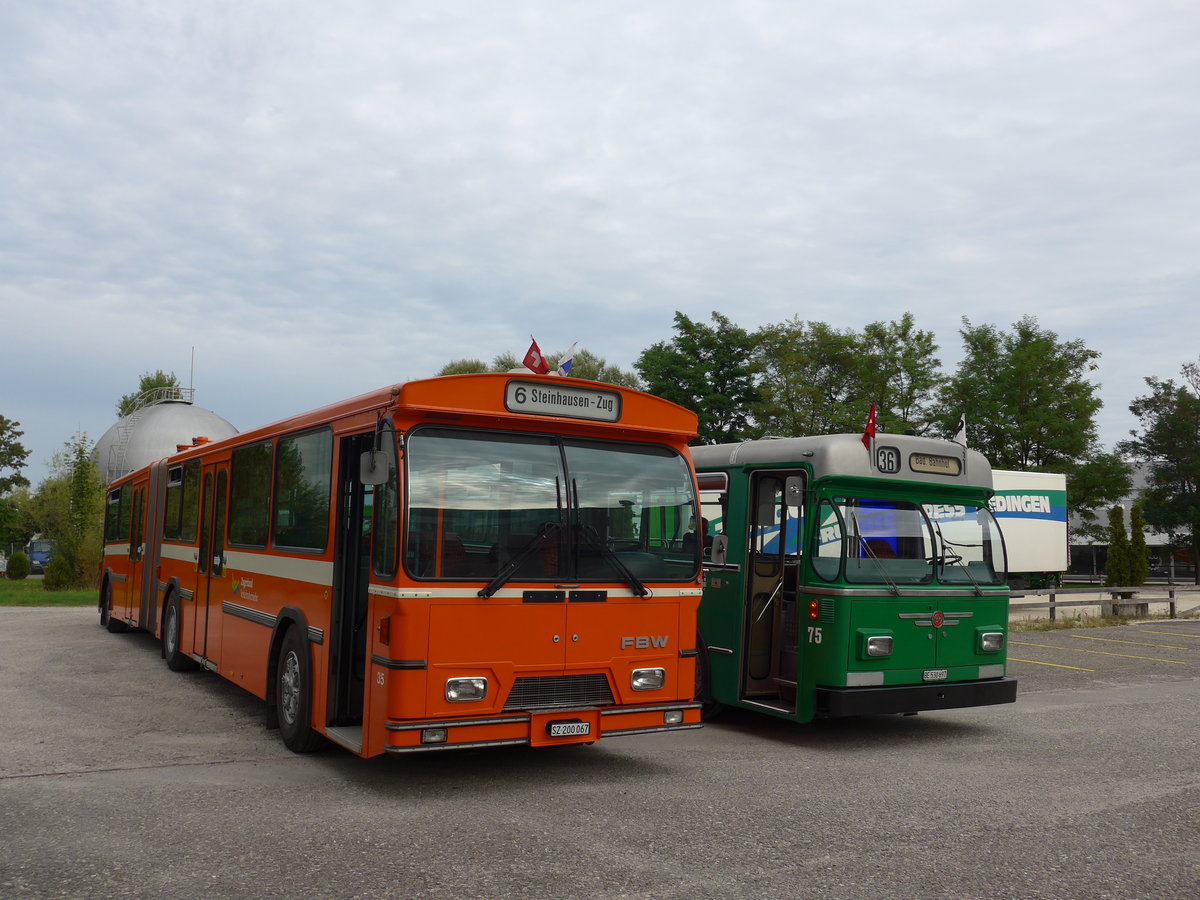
876,701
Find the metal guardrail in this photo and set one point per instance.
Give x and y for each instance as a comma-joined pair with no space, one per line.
1113,601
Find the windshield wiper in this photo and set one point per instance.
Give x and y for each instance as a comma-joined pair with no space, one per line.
537,542
590,535
871,553
947,559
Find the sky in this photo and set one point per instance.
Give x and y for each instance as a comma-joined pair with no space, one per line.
291,203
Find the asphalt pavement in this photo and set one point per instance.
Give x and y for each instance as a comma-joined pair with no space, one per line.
119,777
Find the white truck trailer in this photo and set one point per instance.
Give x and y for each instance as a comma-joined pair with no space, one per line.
1032,510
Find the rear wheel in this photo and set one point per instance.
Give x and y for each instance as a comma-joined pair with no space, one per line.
293,694
172,625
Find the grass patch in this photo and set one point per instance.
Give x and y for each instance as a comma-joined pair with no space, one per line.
1082,621
30,592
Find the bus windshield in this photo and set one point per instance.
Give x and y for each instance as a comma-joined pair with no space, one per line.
882,541
499,506
897,542
972,550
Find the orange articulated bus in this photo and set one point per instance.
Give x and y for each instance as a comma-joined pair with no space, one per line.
466,561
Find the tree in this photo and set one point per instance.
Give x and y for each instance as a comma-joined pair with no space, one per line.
13,456
1028,402
74,497
1030,408
810,379
585,365
464,367
709,369
1116,569
1167,448
899,371
149,382
1139,556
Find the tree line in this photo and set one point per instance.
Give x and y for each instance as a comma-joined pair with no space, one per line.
1025,393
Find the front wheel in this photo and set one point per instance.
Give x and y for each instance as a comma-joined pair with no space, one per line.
115,626
293,694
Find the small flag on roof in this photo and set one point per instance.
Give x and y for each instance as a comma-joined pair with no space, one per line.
564,364
534,360
869,431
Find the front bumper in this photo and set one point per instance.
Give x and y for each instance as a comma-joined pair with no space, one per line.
875,701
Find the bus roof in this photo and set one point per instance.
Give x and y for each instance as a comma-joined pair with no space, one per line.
844,454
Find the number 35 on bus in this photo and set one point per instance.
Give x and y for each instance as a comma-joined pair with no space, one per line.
468,561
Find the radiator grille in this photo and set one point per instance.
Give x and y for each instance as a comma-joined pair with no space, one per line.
559,691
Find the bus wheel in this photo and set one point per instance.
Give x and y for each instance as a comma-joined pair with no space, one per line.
172,623
106,617
709,708
293,694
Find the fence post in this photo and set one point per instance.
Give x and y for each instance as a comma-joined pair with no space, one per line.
1052,607
1171,598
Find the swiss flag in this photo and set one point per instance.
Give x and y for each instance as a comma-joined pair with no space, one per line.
869,431
534,360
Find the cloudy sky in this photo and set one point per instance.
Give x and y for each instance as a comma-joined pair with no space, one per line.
325,198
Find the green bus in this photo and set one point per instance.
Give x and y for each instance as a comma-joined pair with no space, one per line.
847,577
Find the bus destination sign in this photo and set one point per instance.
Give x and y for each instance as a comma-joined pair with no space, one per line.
935,465
536,398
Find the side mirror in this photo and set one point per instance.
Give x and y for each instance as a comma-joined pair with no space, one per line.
793,491
374,466
720,547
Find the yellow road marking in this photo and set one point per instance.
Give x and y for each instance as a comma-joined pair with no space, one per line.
1086,637
1034,662
1177,662
1171,633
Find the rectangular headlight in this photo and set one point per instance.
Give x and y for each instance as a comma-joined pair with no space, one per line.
466,690
879,645
673,717
648,679
991,641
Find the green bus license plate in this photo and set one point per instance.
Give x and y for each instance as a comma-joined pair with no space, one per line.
936,674
569,729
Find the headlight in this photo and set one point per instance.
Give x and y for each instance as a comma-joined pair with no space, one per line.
991,641
879,645
466,690
648,679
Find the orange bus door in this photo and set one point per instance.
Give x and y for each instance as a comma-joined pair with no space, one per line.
351,574
206,641
137,551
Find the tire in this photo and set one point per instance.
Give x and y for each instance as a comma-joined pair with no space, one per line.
293,694
115,626
177,661
709,708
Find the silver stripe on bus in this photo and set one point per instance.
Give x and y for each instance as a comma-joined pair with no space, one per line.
310,571
115,577
923,592
116,549
179,552
457,723
863,679
470,592
660,707
258,617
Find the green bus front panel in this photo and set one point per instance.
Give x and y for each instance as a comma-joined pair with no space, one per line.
937,659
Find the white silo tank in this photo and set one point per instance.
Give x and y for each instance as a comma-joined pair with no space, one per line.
153,432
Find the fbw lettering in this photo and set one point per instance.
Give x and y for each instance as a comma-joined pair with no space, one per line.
644,642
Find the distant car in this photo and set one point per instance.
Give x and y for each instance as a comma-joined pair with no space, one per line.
40,554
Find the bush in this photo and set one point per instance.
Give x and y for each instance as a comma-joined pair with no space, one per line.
18,567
